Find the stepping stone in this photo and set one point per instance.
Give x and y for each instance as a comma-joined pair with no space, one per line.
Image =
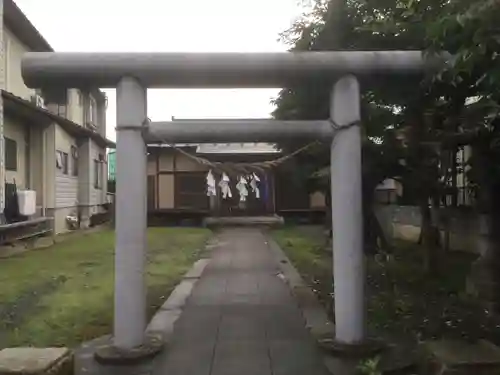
36,361
460,358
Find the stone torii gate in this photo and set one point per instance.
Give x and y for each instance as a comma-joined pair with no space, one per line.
132,73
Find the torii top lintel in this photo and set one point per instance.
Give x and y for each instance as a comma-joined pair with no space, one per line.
176,70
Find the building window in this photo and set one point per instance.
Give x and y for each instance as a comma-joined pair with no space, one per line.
97,174
62,161
10,154
92,111
74,160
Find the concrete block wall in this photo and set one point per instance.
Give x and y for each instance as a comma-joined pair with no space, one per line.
403,222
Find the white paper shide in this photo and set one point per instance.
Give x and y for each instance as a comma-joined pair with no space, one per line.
254,180
224,186
211,189
241,186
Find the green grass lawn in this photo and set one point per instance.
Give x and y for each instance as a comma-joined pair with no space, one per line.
402,300
63,295
307,253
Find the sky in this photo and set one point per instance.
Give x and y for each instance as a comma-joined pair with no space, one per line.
171,26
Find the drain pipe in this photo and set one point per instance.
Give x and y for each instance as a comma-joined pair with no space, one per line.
44,172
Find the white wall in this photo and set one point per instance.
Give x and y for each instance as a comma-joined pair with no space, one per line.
14,51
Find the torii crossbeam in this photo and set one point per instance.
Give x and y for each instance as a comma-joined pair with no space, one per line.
133,73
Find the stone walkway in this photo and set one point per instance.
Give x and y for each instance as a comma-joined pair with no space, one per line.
240,319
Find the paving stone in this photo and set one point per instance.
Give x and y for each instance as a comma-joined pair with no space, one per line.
241,298
197,270
201,316
36,361
187,358
295,357
242,284
210,291
200,299
241,327
241,318
163,322
282,324
179,296
196,329
241,357
272,298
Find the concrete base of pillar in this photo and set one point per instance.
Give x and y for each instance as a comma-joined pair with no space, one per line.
366,349
112,355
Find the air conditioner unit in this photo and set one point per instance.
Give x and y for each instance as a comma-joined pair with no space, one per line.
38,101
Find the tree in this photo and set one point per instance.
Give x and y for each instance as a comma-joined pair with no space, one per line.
320,30
432,113
470,30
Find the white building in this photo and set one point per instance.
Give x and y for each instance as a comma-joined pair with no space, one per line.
53,142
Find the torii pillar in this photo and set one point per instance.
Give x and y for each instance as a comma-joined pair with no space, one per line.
347,216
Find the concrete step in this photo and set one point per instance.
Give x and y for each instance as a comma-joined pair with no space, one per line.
272,221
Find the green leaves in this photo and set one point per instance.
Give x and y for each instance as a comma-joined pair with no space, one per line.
434,113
